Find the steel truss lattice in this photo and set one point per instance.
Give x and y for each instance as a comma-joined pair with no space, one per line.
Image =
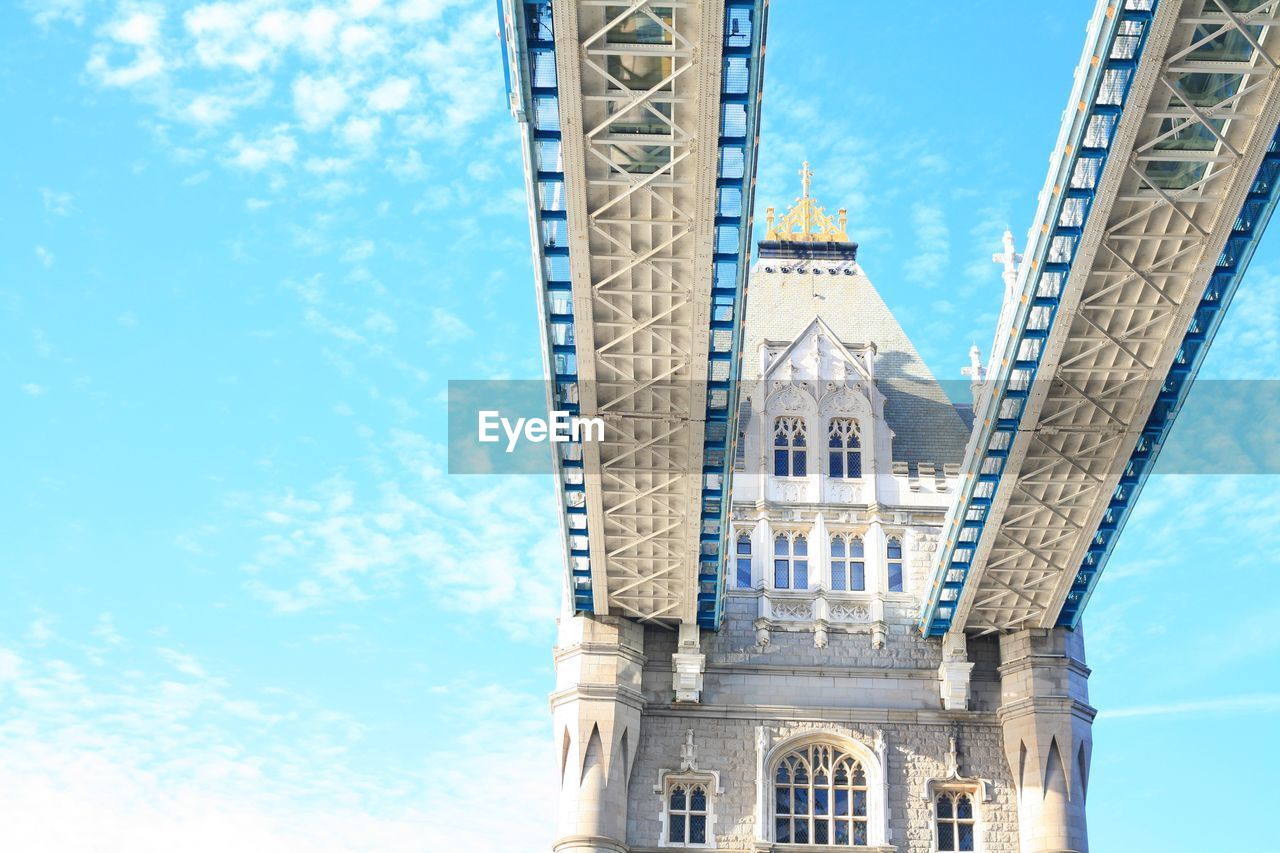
1158,166
654,120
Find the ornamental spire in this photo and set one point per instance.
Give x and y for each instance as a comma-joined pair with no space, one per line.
806,221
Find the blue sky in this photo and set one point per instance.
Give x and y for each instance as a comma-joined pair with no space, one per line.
244,247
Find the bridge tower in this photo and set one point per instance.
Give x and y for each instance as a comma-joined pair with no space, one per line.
818,714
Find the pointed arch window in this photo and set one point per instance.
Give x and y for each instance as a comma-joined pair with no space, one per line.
955,821
848,563
893,556
687,812
844,449
743,561
789,447
790,561
820,797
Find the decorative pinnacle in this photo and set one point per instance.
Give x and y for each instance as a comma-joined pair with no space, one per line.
806,221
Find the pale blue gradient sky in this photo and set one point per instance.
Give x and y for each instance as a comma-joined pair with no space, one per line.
244,247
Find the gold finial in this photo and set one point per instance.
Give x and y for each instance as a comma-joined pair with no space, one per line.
806,221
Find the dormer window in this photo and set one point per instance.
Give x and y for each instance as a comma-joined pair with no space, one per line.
844,449
789,447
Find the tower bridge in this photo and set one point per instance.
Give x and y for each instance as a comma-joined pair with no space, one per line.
888,599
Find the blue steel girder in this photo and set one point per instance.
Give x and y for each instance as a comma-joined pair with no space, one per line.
1157,193
640,247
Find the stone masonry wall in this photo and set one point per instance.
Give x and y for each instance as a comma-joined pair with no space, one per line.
849,687
916,754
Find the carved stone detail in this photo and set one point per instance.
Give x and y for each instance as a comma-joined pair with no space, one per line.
844,612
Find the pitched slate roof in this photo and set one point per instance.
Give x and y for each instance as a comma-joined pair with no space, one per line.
780,305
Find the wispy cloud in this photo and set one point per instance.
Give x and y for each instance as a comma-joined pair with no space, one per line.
56,202
480,545
1256,704
933,246
175,757
449,326
277,84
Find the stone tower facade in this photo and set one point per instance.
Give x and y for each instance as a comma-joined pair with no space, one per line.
818,717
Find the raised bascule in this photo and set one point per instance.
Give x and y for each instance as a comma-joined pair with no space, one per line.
872,639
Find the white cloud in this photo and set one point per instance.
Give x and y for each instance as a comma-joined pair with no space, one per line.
361,132
409,167
391,95
337,543
318,28
183,663
461,75
447,326
55,202
423,11
380,324
10,665
40,633
278,147
49,12
224,37
327,165
359,251
106,631
126,757
139,28
318,101
201,69
45,256
138,32
359,41
1258,704
933,245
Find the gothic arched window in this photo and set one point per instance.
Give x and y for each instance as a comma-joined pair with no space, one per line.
790,561
789,447
820,797
687,814
743,557
844,449
848,563
955,821
893,554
